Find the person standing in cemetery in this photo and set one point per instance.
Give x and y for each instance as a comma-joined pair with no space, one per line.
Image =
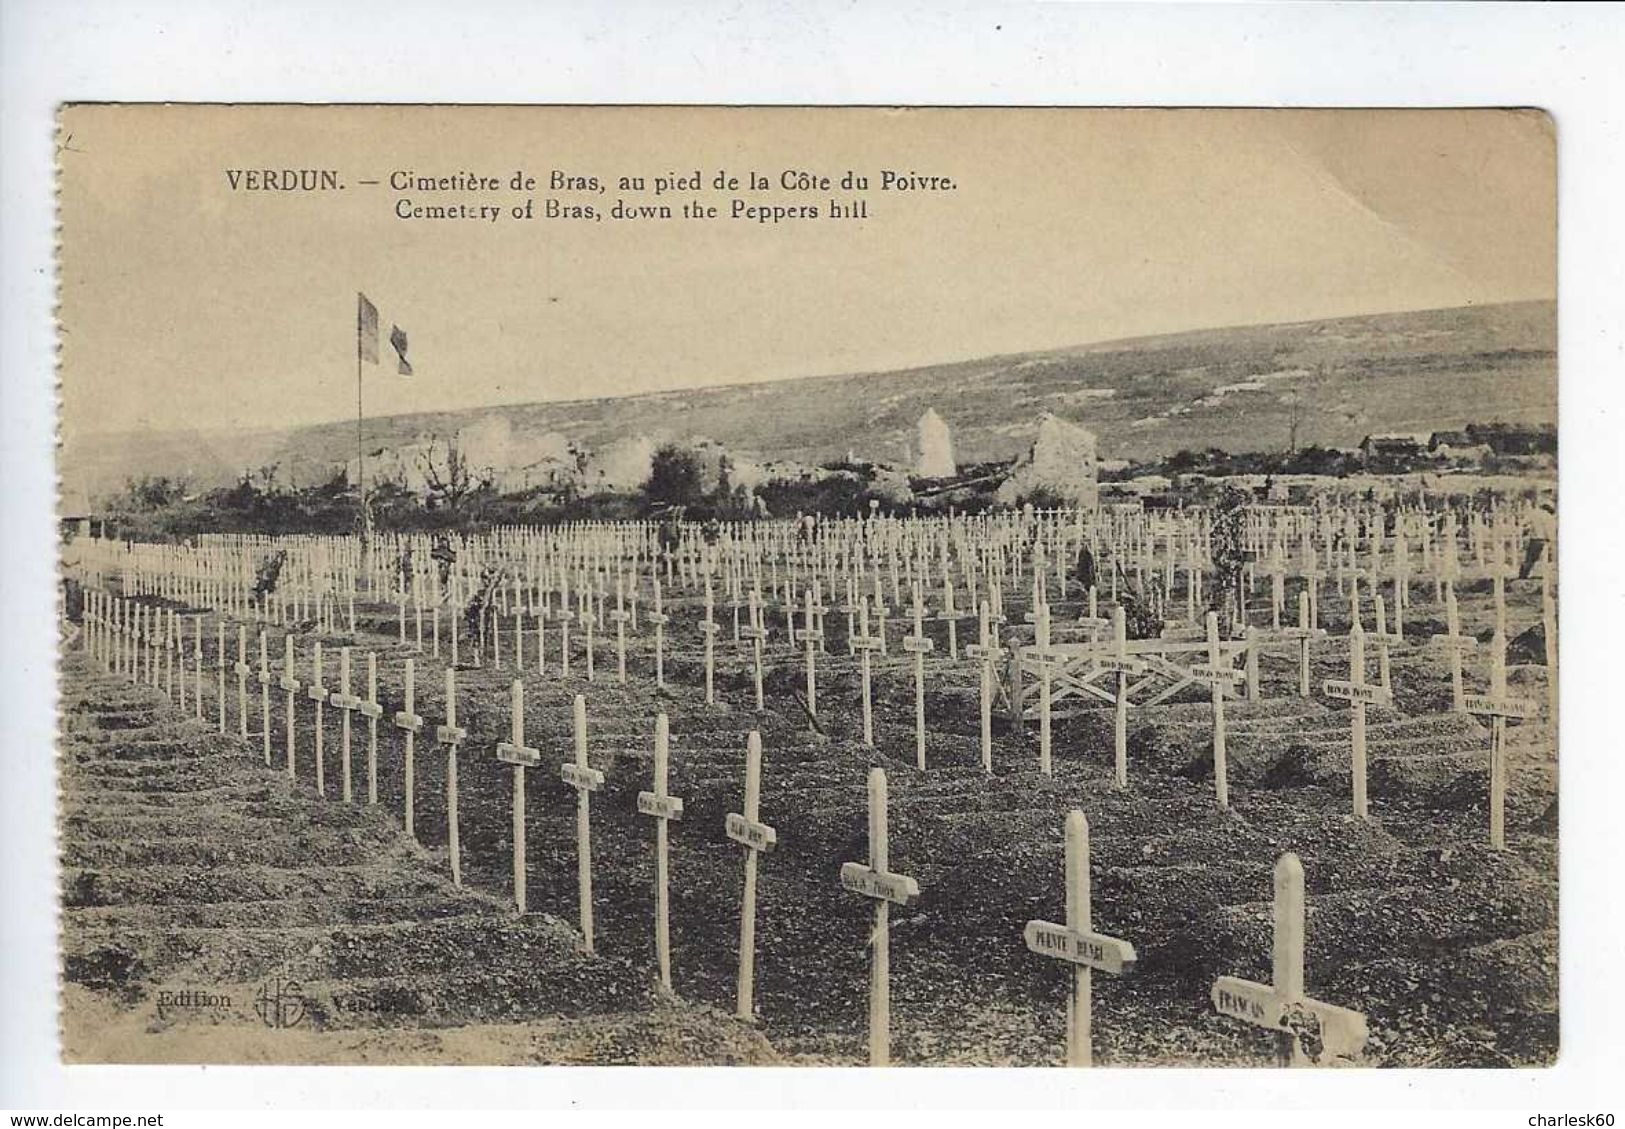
1085,572
671,532
1542,532
445,557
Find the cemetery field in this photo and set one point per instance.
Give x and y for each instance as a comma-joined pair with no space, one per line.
191,858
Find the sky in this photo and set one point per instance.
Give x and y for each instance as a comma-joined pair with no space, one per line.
186,304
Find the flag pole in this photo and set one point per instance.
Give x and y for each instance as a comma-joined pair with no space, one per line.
361,463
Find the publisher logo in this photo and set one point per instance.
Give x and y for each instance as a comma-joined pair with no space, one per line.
279,1002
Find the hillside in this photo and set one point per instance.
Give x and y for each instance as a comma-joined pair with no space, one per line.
1232,388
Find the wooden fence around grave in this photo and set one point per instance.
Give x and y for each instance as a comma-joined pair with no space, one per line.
1081,673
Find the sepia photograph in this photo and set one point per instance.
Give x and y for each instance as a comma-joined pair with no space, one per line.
807,586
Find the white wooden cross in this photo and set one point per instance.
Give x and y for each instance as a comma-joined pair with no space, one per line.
1119,663
755,836
865,644
618,618
851,610
372,711
756,632
1078,944
709,628
919,646
950,614
265,698
290,684
242,670
1045,658
588,625
1091,620
811,636
1358,695
318,693
1498,708
663,807
1277,575
565,615
219,665
1385,640
1306,634
1220,677
659,618
585,781
882,613
452,737
521,756
344,700
166,622
986,651
1457,643
410,723
1310,1033
876,880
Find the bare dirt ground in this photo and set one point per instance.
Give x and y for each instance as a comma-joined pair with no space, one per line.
189,863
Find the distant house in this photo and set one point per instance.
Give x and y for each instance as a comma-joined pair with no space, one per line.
1515,438
1395,445
1449,439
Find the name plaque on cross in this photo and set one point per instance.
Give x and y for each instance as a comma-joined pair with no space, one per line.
757,836
1339,1031
523,755
661,807
878,884
1114,665
450,734
1498,707
1092,949
1355,692
1207,672
578,776
918,646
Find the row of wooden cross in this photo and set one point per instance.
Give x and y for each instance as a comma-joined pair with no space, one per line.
1311,1032
159,628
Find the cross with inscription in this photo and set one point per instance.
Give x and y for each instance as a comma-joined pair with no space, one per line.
1310,1033
521,756
986,652
876,881
1078,944
747,829
919,646
290,684
662,807
410,723
452,736
1358,695
585,781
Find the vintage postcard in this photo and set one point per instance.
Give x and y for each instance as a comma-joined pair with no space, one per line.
823,586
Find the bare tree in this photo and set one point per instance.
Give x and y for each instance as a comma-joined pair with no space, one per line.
446,472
